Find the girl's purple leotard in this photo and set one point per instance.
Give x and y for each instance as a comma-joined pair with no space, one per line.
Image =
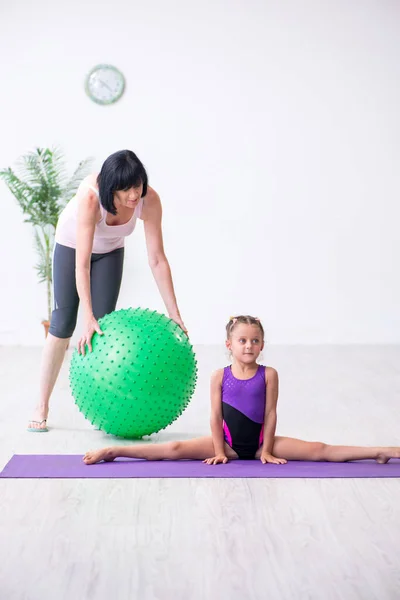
243,409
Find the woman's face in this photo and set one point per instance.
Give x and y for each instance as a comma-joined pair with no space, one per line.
129,198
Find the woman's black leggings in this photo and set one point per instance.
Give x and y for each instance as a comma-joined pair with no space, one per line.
105,283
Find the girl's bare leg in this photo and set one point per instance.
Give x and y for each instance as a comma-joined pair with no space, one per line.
52,359
293,449
197,449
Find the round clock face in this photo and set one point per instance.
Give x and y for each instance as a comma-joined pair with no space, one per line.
105,84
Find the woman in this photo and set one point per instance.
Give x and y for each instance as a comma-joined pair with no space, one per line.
88,260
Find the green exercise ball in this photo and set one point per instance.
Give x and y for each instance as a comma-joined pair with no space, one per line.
139,377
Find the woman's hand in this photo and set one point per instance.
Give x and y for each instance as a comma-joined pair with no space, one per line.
216,460
181,324
266,457
91,327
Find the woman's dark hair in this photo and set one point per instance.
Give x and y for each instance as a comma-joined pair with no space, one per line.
120,171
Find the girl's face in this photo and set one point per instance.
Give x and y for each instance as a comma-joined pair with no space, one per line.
128,198
245,343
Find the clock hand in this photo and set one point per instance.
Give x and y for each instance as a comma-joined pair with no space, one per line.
105,85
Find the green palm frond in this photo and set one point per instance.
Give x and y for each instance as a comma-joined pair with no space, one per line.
42,264
45,173
20,189
73,183
32,169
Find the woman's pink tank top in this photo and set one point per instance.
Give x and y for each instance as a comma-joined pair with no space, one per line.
106,237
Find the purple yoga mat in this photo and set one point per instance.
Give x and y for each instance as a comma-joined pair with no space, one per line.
61,466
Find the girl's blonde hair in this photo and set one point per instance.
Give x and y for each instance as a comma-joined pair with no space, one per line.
246,320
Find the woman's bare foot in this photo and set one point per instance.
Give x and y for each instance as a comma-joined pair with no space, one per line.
95,456
386,454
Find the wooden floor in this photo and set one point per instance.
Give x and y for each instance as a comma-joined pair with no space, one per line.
205,539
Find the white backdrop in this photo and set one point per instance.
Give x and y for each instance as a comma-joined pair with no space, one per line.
270,130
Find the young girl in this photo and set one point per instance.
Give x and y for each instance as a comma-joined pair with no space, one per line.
243,416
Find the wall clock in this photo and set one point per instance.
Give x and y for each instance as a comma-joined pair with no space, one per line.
105,84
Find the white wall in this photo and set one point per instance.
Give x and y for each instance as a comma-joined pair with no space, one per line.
270,130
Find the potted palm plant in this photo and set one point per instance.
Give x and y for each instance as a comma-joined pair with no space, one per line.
42,188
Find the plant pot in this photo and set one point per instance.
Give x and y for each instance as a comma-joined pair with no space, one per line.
46,325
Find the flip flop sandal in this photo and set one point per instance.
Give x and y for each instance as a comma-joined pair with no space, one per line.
38,429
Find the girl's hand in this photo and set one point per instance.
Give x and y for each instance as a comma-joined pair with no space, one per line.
181,324
266,457
220,458
91,327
